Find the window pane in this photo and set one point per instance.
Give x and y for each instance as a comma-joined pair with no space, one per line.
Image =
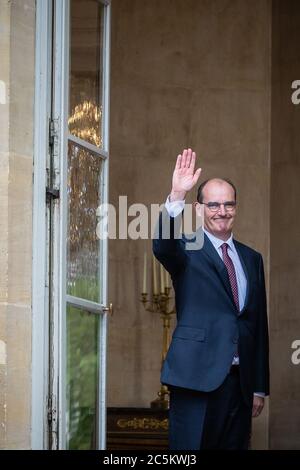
82,378
83,257
86,70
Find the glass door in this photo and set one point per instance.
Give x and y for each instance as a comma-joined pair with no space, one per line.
80,167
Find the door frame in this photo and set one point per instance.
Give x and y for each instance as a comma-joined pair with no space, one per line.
49,228
40,284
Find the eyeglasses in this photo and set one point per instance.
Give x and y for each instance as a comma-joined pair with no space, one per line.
229,206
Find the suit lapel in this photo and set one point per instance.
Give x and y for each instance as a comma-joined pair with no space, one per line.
210,251
246,267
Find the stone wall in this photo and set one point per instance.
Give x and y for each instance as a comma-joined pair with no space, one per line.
17,43
285,228
192,73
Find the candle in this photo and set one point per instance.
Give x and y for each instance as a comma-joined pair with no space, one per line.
168,283
155,291
145,274
162,279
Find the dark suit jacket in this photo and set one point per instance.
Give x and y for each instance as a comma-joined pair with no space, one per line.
209,328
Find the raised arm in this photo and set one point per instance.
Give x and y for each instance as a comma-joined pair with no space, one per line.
184,176
171,251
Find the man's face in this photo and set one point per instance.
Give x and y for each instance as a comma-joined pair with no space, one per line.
219,222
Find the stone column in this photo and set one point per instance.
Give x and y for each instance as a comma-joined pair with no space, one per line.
17,45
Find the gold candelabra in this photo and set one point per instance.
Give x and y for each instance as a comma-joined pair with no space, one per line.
160,302
85,122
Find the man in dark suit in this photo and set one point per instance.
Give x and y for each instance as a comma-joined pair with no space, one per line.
217,366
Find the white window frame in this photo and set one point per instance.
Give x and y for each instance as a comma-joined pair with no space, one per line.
40,326
40,288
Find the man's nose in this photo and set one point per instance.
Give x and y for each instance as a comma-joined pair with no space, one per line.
222,210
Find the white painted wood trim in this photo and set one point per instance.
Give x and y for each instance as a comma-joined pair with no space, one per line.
40,327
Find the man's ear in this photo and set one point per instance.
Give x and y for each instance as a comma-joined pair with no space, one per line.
197,207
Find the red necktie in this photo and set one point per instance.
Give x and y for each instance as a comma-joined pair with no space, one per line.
231,273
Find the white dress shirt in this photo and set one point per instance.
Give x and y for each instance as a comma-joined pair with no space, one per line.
239,271
174,208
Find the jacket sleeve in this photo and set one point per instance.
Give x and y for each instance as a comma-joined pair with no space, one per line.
168,245
262,374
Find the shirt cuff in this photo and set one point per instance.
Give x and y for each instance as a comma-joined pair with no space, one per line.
260,394
175,207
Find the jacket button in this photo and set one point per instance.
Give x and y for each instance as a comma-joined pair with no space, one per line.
235,339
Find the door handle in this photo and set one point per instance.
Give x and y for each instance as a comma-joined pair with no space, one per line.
109,309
